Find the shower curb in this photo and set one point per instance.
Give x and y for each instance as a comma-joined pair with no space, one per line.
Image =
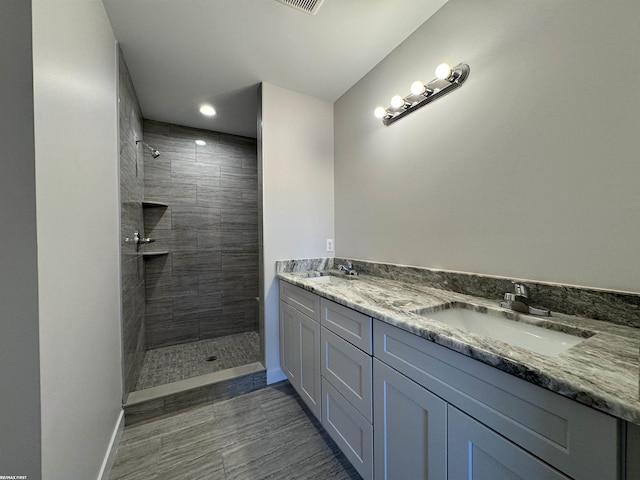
212,387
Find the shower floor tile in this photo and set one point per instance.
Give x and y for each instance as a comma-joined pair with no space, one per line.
186,360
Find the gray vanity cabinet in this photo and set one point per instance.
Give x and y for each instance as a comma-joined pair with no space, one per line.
507,414
300,343
401,407
476,452
410,428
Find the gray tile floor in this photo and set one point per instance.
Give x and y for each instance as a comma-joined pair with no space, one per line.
266,434
186,360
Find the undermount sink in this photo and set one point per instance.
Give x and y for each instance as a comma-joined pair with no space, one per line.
538,339
322,279
331,278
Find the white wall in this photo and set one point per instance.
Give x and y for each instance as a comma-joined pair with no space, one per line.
19,357
297,184
75,98
529,170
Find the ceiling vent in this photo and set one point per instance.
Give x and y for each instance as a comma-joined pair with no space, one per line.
308,6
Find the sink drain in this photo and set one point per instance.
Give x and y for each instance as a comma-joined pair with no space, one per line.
212,358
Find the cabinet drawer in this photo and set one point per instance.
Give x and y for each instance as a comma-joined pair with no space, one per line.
353,326
349,429
572,437
306,302
348,369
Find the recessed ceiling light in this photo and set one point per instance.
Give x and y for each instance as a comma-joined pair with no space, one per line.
200,142
207,110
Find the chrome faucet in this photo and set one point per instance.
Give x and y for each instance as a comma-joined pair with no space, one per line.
348,268
519,301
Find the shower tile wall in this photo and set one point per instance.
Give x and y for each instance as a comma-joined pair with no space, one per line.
206,286
131,219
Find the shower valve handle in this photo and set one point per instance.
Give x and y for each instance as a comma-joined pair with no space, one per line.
135,240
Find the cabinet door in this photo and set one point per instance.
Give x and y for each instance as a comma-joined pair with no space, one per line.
290,344
476,452
309,346
410,426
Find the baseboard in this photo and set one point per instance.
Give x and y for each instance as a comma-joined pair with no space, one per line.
275,375
110,455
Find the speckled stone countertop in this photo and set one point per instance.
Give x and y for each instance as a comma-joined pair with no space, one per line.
602,371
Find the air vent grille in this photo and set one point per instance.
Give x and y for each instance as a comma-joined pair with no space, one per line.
309,6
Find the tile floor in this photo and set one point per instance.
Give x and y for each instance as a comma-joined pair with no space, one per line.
186,360
266,434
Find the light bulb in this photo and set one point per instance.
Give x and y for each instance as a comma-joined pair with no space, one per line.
443,71
201,142
380,112
418,88
207,110
397,101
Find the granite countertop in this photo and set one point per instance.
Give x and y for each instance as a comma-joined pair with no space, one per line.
602,371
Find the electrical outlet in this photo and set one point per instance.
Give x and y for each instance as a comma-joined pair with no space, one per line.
329,244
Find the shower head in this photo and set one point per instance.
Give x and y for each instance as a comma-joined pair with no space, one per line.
154,153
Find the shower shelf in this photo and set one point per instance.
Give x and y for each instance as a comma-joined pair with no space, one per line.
156,253
150,204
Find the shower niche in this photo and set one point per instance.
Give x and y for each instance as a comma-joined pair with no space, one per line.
146,204
151,251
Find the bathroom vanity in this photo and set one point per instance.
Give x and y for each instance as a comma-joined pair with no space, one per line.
407,396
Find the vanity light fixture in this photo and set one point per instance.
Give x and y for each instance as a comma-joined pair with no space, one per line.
398,102
201,143
380,112
418,88
443,71
447,79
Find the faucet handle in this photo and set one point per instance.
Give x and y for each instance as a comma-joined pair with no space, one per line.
520,288
135,239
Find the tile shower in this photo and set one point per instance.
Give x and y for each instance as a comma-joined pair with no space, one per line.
208,283
192,292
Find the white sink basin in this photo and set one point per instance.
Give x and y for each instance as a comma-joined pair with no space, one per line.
322,279
331,278
531,337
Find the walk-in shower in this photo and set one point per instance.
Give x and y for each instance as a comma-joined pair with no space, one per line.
190,321
201,273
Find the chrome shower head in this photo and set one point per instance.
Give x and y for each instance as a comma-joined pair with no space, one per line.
154,153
